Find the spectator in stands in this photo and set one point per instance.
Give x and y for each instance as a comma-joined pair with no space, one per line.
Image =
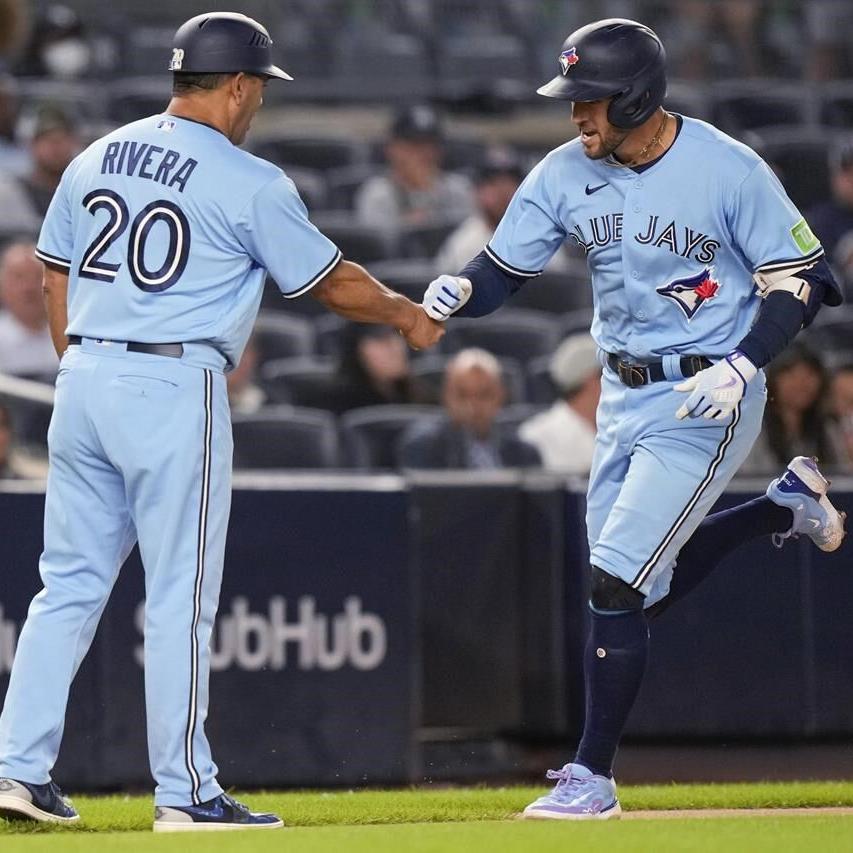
832,219
795,420
841,397
13,30
25,345
496,180
829,33
14,159
564,435
467,437
53,143
374,369
244,395
414,191
58,46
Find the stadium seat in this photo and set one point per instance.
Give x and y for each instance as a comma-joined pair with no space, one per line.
304,381
573,322
133,98
279,335
737,106
469,65
556,292
540,386
344,182
312,187
31,406
511,417
513,332
361,243
836,107
424,241
328,330
429,370
310,152
409,276
286,437
371,434
800,156
832,330
388,65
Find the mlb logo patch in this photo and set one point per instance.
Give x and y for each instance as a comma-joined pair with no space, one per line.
166,125
691,293
568,58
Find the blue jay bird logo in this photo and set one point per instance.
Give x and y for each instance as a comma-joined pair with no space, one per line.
691,293
568,58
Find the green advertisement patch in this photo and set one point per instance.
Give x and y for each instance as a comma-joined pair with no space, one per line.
804,237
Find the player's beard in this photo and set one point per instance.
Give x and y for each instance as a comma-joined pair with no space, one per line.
609,142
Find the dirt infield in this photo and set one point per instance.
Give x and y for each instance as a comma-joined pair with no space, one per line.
699,814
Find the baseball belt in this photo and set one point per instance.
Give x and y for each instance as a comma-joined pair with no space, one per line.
169,350
637,375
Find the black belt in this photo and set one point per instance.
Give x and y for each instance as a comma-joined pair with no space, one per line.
169,350
636,375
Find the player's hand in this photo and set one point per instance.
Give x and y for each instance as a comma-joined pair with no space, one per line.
446,295
425,332
716,390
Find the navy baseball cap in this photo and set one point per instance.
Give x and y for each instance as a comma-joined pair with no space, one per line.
417,123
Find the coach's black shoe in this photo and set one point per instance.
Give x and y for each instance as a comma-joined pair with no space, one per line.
25,801
222,812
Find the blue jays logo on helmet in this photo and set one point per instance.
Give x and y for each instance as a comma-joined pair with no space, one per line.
691,293
568,58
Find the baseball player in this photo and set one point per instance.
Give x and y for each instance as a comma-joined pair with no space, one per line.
155,247
702,271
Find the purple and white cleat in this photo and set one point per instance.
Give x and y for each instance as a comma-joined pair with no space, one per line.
802,488
578,795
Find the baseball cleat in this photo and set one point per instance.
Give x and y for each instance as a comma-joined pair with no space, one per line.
802,488
579,794
43,803
220,813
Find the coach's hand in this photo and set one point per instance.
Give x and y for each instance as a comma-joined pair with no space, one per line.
716,390
446,295
425,332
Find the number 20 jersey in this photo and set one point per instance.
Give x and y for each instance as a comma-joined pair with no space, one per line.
167,230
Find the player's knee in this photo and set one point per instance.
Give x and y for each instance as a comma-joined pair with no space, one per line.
611,593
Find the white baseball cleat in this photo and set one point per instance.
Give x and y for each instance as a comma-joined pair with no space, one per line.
802,488
579,794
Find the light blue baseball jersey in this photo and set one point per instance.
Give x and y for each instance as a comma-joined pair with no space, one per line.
167,229
671,250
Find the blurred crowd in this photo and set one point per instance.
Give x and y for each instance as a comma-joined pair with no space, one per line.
519,388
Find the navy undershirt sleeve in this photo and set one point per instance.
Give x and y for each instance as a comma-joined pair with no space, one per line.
782,315
490,286
779,319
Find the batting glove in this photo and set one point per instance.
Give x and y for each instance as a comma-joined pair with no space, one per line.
716,390
446,295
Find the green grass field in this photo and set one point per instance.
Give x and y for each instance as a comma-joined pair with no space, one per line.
426,820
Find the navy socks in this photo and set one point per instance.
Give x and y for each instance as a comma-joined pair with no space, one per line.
717,536
614,663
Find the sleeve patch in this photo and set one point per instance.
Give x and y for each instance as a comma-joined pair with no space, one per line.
804,237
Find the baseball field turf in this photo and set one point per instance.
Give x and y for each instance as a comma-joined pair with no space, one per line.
808,816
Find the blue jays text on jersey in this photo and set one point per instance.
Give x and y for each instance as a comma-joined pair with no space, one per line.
150,261
672,250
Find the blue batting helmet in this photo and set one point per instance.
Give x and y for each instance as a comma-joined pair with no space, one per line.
222,42
614,58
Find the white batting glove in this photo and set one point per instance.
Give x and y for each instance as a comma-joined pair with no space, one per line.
716,390
446,295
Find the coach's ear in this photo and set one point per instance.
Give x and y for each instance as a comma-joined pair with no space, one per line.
238,87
